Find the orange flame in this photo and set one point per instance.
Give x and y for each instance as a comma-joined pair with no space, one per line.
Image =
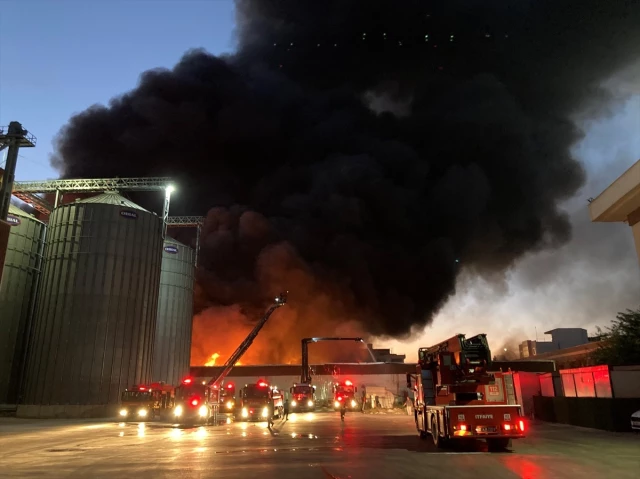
315,308
212,360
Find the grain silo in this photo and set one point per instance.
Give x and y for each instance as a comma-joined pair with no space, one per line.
17,297
172,352
96,313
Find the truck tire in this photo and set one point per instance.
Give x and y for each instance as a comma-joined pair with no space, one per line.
438,441
498,444
423,433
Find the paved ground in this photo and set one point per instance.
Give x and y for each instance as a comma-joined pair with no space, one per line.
307,446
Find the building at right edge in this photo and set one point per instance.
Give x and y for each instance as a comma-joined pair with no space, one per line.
620,203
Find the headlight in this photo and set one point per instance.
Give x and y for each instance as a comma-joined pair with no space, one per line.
310,404
265,412
177,412
294,403
229,404
353,403
123,412
336,404
142,413
245,413
203,411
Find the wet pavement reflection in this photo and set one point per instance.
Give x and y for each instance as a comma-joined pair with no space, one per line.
308,445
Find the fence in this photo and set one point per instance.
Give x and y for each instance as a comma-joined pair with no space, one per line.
609,414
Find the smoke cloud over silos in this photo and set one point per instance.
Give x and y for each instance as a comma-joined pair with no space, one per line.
361,154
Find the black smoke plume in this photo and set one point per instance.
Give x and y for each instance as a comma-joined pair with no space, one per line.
370,147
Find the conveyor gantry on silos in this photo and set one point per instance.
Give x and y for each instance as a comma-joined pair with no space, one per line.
28,191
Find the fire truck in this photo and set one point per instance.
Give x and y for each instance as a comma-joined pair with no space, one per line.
260,402
206,401
457,399
303,397
344,392
146,402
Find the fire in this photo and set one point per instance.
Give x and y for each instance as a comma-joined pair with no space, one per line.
212,360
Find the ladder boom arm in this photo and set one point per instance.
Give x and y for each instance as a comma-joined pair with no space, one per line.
280,301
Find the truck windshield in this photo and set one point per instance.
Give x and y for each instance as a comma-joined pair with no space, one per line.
301,390
255,392
183,391
346,390
132,396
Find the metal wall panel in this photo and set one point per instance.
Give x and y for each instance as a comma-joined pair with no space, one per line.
95,322
172,351
17,295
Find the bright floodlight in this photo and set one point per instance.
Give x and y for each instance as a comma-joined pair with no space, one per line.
171,189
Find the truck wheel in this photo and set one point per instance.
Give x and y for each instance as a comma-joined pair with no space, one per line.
422,432
498,444
438,441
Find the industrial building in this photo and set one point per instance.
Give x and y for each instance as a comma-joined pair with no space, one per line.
620,203
385,355
561,338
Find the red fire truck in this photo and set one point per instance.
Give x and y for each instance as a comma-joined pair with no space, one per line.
260,401
146,402
344,392
210,401
303,397
456,398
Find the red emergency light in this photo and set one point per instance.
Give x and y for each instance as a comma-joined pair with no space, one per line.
230,386
187,381
262,383
142,388
194,402
348,383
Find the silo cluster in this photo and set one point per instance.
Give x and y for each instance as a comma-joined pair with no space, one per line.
113,307
17,297
175,312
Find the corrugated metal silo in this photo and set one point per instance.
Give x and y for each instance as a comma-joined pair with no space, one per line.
172,351
96,314
17,296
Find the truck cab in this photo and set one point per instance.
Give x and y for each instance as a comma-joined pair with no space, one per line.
145,402
344,393
259,402
303,397
192,402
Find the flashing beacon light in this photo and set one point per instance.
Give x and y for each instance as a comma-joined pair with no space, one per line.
187,381
262,383
194,402
230,386
142,388
348,383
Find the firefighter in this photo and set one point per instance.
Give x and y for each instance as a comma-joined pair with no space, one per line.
343,409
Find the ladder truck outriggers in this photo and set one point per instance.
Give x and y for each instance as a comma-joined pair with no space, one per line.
205,401
456,398
303,393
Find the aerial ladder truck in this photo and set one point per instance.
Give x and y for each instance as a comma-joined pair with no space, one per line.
303,393
456,398
202,401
